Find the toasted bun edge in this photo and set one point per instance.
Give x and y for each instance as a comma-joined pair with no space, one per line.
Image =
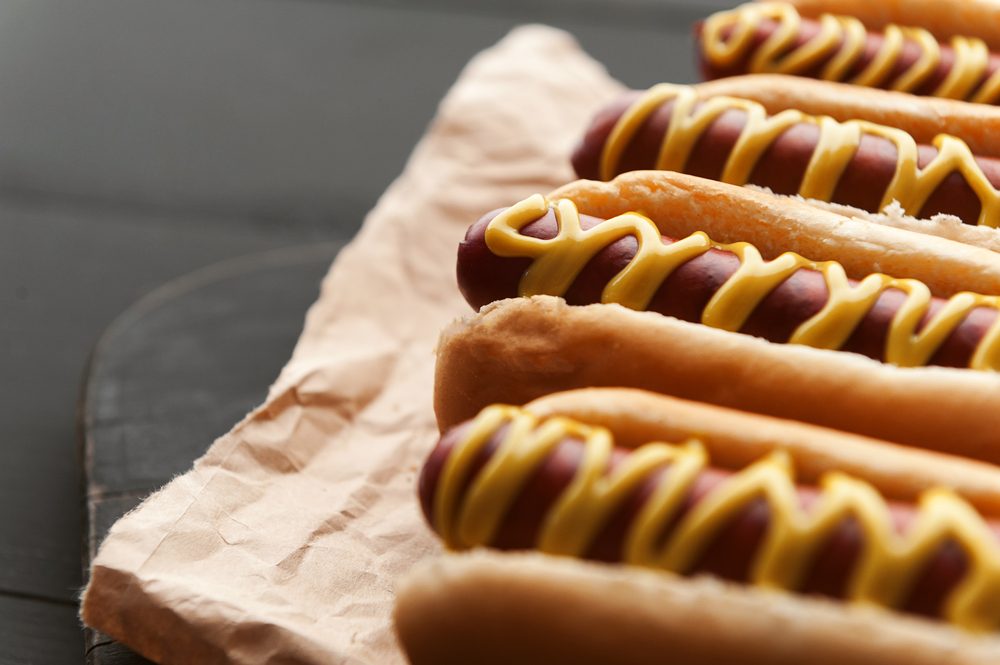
943,18
488,607
736,439
520,349
922,117
681,204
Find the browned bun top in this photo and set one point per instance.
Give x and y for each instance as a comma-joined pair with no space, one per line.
520,349
942,226
922,117
487,608
943,18
680,204
736,439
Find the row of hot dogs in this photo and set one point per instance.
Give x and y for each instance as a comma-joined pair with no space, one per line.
782,399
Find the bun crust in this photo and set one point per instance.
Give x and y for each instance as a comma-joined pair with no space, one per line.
944,18
520,349
680,204
923,117
736,439
943,226
532,608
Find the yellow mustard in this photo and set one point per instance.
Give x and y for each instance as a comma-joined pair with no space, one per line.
557,261
727,38
690,117
884,575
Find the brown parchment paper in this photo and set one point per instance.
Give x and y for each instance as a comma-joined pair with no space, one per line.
283,542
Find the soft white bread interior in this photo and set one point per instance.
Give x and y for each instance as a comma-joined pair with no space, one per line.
944,18
736,439
922,117
519,349
942,226
486,608
680,204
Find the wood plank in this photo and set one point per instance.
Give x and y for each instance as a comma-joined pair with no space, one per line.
286,111
34,631
109,652
624,13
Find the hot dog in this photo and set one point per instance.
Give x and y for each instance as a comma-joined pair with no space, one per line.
690,291
516,350
904,530
727,552
735,140
773,37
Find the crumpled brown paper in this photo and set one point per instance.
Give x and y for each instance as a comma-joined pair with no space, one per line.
283,543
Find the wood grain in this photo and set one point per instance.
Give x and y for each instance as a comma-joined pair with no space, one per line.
33,631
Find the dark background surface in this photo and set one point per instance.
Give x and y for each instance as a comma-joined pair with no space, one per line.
141,140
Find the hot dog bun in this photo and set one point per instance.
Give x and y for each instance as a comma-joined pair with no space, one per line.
676,201
735,439
847,144
921,117
943,18
942,226
520,349
487,607
774,37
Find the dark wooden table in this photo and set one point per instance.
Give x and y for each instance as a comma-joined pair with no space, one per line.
142,140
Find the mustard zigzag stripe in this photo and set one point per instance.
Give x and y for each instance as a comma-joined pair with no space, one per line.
884,575
557,262
690,117
843,38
